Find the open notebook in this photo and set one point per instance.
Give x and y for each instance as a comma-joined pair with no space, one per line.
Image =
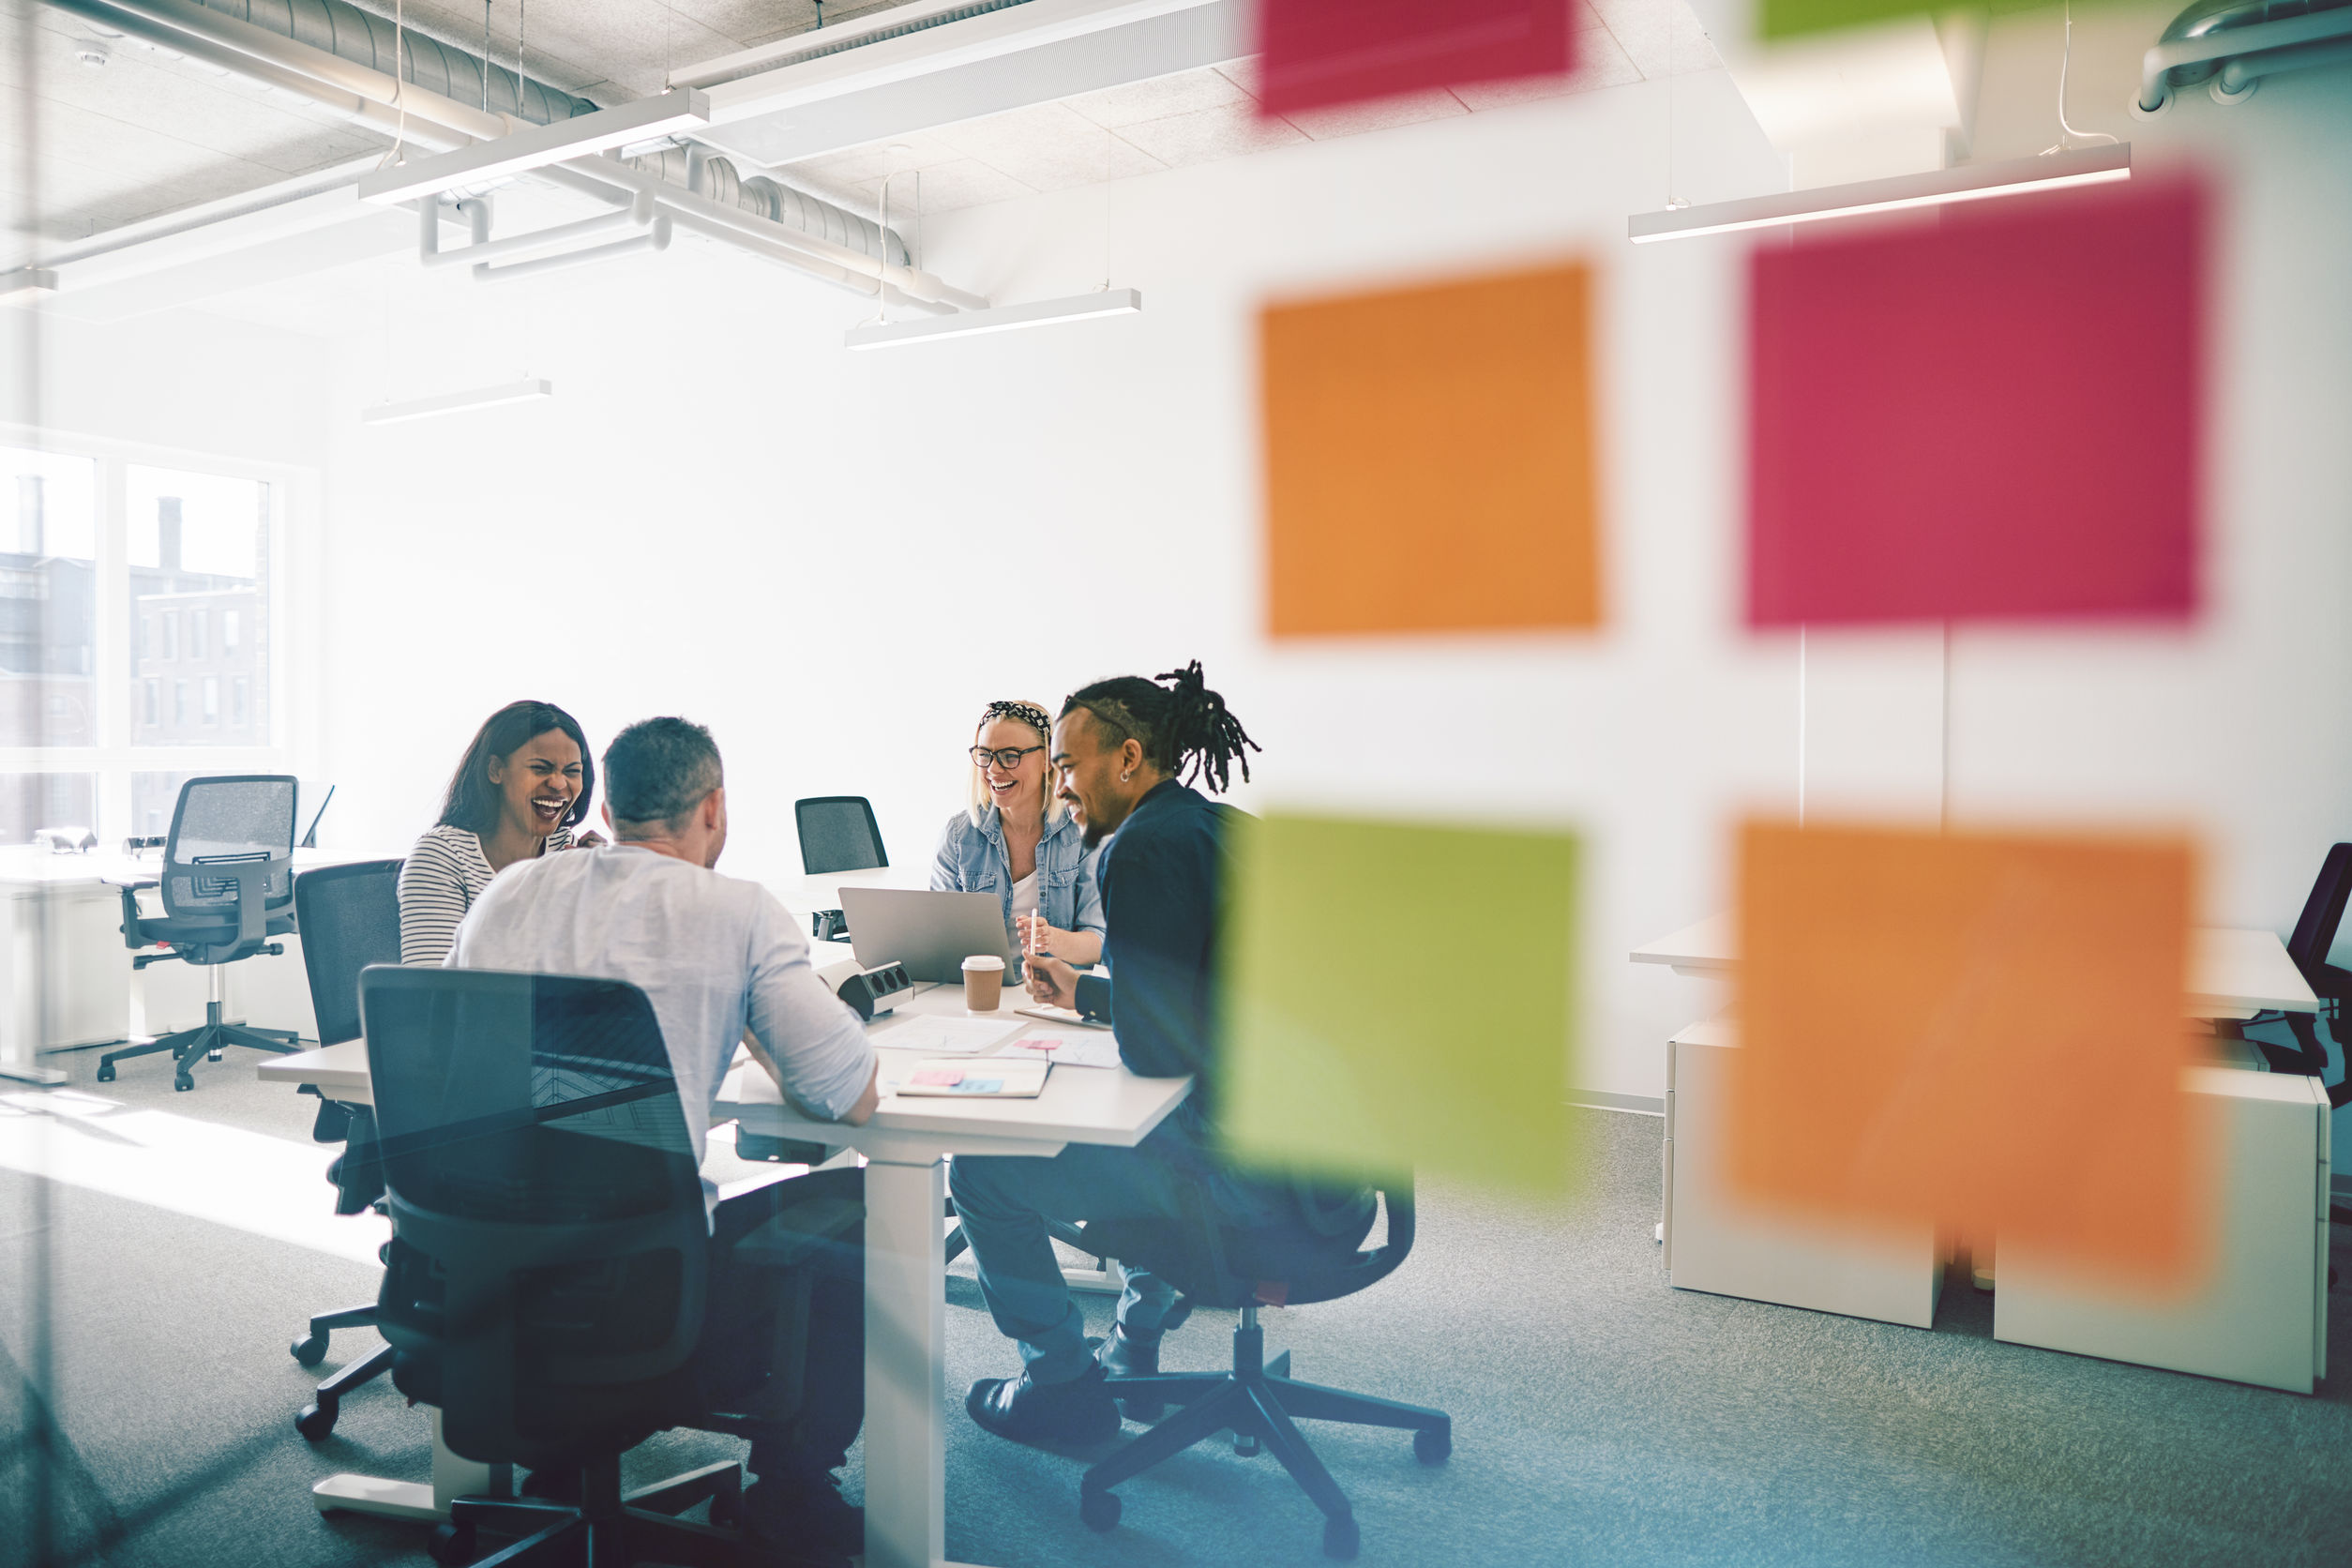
995,1077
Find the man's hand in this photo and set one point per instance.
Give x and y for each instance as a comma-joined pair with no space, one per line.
1051,980
588,840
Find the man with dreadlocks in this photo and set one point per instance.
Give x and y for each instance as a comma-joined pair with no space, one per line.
1124,752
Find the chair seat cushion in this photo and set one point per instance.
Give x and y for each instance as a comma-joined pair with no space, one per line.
1291,1263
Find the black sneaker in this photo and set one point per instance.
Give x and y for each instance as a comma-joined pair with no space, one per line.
1122,1357
804,1520
1079,1411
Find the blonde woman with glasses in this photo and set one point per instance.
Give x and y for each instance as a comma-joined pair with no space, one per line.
1019,841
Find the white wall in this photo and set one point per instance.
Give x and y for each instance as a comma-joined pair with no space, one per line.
835,559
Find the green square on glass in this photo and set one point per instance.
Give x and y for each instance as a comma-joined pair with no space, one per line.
1350,1048
1784,19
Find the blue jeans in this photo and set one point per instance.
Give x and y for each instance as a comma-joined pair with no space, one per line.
1004,1203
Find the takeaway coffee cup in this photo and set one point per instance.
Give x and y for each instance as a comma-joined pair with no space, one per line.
984,982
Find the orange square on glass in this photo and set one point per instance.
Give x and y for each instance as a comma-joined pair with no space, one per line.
1984,1032
1429,458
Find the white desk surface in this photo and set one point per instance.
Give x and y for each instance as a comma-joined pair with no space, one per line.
2234,973
1081,1105
23,866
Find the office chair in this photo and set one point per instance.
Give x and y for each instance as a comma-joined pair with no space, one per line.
349,917
1215,1265
549,1252
837,833
228,887
2314,935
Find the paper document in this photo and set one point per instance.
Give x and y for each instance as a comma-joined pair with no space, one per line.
997,1076
1061,1016
945,1037
1070,1048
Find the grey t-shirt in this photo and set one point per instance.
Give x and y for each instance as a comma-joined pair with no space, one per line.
714,955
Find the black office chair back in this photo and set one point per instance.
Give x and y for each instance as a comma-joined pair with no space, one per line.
350,918
1316,1255
547,1277
2323,914
229,833
837,833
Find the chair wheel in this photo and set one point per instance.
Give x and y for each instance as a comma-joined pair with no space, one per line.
106,1072
212,1056
316,1423
1248,1445
726,1510
182,1085
1341,1539
1433,1445
452,1544
1100,1510
310,1351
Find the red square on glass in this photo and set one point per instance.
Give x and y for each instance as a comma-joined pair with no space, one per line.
1994,418
1317,52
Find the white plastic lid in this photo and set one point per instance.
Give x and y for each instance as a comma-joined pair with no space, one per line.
984,960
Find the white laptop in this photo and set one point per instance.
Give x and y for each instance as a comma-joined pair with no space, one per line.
931,933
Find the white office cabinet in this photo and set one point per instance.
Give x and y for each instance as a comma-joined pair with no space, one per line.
1717,1243
2261,1316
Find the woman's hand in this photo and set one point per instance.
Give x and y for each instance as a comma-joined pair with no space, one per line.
1051,980
1038,937
588,840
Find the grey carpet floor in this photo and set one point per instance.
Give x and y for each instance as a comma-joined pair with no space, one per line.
1600,1416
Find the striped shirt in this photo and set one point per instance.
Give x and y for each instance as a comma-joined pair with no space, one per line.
439,881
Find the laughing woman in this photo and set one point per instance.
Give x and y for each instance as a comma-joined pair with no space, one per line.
522,787
1019,840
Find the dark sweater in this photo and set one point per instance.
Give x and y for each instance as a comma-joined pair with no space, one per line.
1162,874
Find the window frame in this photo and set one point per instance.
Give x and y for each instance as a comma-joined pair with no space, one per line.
290,747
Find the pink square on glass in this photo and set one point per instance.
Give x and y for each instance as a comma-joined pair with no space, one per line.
1993,417
1319,53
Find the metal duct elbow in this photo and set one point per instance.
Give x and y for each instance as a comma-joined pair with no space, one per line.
762,197
2233,43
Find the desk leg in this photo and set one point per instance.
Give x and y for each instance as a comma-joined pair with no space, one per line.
453,1477
906,1365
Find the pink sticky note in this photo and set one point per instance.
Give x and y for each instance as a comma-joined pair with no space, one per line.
937,1077
1994,414
1317,52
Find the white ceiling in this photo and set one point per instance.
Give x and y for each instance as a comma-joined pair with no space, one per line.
1198,116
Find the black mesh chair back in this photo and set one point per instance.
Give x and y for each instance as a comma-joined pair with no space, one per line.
227,832
547,1275
350,918
837,833
2323,915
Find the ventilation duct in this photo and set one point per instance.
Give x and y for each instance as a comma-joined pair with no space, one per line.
2233,44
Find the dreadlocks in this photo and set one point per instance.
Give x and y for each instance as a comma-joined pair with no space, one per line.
1185,730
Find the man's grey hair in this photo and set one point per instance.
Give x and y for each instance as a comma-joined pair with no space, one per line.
659,770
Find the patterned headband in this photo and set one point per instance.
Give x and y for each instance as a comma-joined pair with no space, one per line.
1027,713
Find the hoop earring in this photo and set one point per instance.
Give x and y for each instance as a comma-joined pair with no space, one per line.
1125,777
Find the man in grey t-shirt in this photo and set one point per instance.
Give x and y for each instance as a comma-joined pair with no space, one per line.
722,962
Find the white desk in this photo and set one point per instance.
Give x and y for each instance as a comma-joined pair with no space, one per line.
2261,1317
2232,973
906,1144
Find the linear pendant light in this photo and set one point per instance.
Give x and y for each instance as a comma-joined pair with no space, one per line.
25,284
536,146
1004,318
1974,182
458,402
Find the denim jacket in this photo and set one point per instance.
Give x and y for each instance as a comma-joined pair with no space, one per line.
973,859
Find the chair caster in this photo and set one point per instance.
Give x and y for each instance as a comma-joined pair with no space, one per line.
1100,1510
1341,1540
212,1056
1248,1445
726,1510
450,1545
316,1423
182,1085
311,1351
1433,1445
106,1072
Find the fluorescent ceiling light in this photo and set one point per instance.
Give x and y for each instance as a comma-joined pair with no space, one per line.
26,284
1004,318
457,403
534,146
1970,182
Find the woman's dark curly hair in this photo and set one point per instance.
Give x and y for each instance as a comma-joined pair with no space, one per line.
473,800
1185,730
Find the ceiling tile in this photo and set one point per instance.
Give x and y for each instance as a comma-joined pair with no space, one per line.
1160,96
1354,119
1661,37
1206,135
966,182
1050,146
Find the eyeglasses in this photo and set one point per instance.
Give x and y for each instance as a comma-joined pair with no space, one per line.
1008,759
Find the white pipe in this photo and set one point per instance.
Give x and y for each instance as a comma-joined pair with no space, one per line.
483,251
